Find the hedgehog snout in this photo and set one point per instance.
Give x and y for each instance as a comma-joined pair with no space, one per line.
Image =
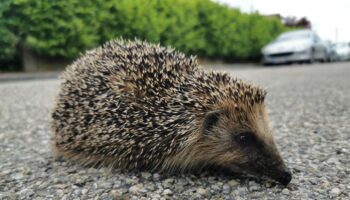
285,177
281,174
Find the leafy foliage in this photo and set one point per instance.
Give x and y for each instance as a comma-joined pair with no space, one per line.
64,28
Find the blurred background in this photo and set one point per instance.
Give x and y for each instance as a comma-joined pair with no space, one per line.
45,35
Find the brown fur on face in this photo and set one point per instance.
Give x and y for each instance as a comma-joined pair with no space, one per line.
217,143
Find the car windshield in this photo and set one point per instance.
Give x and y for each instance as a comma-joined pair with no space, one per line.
294,35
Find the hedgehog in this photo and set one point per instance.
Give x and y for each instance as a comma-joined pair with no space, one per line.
134,105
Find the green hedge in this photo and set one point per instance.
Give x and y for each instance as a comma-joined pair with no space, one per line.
64,28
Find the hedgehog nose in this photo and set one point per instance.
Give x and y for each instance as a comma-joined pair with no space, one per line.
285,178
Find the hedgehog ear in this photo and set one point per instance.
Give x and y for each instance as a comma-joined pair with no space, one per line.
210,120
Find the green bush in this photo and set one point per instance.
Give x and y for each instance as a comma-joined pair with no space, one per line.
54,28
169,22
8,43
65,28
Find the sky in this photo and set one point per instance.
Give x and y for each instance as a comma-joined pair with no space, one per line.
329,18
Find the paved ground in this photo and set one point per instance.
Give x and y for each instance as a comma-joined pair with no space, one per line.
310,113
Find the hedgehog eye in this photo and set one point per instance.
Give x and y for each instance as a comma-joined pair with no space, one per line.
245,139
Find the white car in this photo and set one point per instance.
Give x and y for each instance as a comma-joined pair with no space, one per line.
295,46
341,51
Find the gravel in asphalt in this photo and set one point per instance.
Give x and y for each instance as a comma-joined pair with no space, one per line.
309,107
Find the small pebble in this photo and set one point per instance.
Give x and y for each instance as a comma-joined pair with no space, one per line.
167,192
233,183
285,191
146,175
156,176
335,192
137,189
201,191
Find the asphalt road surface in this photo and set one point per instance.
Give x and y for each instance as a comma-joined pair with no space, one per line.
309,107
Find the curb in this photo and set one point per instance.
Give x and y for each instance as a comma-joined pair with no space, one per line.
9,77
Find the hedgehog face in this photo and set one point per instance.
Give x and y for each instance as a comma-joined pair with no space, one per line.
241,137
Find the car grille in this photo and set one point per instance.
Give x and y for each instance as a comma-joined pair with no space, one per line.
281,54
